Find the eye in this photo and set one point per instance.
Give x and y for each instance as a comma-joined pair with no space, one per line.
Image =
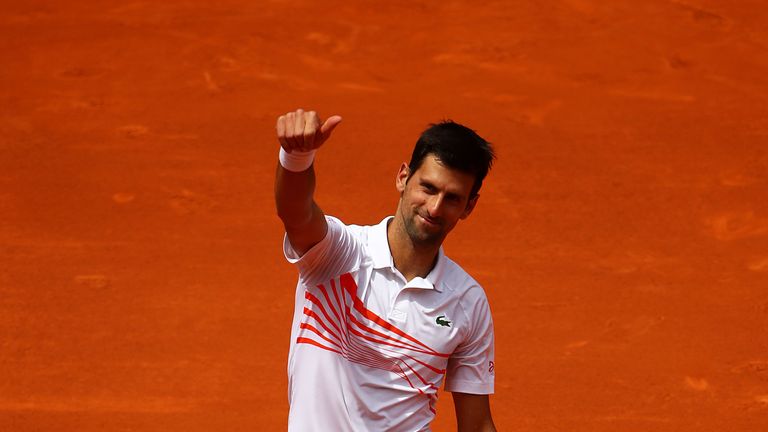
453,198
428,188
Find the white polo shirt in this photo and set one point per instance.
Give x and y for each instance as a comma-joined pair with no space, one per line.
369,349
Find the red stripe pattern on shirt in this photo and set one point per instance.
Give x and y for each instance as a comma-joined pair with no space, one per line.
336,320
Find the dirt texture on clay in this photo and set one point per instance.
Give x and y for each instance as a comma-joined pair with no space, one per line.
622,236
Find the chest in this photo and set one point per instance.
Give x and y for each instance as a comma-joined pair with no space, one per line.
431,316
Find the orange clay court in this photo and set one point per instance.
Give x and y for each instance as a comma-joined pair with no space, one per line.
622,236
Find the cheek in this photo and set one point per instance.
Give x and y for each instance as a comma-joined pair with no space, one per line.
413,197
458,211
455,216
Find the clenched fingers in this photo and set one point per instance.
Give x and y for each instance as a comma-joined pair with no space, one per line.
311,126
304,130
290,126
281,133
298,131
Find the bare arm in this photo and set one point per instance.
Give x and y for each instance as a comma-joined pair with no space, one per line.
473,413
303,219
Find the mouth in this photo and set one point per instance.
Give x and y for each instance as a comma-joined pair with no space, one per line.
430,221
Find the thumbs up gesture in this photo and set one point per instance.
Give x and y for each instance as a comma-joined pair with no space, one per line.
303,131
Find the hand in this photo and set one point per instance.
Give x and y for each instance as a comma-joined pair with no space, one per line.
303,131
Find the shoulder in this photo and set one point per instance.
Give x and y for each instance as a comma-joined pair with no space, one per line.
337,226
340,251
459,282
360,233
363,241
467,291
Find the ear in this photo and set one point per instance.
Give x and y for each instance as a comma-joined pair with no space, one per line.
402,177
470,206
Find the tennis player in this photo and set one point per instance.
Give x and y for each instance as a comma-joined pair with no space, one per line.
383,317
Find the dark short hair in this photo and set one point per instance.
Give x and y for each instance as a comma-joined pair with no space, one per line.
457,147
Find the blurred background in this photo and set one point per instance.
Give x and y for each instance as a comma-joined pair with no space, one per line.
622,236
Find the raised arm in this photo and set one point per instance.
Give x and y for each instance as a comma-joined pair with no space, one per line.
300,134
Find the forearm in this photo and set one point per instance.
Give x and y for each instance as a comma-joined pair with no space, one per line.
300,134
294,196
485,427
473,413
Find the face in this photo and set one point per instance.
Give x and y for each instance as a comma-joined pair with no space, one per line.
433,200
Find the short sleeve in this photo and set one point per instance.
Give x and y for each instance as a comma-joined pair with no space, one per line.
471,366
337,253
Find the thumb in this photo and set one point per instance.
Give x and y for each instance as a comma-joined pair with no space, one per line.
329,125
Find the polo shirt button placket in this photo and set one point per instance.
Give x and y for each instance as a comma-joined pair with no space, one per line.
397,315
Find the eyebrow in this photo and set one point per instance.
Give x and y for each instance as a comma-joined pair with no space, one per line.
430,185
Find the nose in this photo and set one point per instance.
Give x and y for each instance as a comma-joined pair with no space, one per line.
435,206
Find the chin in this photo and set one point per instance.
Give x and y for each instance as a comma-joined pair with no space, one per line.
423,237
419,233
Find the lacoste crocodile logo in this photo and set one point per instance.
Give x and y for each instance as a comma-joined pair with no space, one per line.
442,321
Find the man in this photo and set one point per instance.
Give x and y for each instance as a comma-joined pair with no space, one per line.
382,316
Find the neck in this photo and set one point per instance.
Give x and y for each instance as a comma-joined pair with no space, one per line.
410,259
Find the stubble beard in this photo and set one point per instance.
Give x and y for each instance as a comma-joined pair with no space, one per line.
418,236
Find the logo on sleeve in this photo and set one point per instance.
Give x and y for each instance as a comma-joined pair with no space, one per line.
443,321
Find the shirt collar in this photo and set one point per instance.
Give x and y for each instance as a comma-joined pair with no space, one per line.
382,258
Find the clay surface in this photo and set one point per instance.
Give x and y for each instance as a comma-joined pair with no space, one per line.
622,237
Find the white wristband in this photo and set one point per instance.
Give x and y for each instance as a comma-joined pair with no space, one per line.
296,161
